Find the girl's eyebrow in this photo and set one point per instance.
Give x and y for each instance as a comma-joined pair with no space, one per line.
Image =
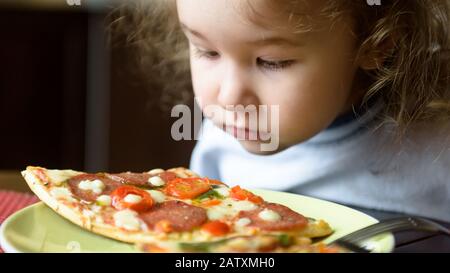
193,32
276,40
273,40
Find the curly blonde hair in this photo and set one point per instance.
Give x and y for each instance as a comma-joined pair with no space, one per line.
413,79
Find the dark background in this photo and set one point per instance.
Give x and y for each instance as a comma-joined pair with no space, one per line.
68,100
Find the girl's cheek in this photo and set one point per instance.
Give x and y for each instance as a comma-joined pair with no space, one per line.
205,88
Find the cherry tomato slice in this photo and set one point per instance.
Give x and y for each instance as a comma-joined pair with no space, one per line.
240,194
216,228
213,181
211,202
120,193
187,188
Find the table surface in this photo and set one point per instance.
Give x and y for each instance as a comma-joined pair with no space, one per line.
406,242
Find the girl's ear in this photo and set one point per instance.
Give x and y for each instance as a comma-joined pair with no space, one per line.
373,56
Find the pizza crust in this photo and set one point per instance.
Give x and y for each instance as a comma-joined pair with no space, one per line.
75,214
42,192
75,211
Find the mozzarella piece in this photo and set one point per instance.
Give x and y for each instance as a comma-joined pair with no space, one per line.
61,193
98,184
132,198
57,177
224,191
182,174
95,186
158,196
229,208
156,181
127,219
242,222
155,171
216,213
244,205
269,215
104,200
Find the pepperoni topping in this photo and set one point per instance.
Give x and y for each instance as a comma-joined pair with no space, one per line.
135,179
174,216
88,195
167,176
289,219
140,179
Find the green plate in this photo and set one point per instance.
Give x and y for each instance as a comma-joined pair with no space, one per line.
39,229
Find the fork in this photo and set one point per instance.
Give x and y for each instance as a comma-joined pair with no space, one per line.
352,240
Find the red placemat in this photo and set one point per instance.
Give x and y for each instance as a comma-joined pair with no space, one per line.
11,202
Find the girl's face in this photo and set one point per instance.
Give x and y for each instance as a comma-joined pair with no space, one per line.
237,60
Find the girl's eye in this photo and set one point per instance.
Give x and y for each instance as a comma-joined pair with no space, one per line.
205,54
274,65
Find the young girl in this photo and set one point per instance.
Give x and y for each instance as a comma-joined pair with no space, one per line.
361,89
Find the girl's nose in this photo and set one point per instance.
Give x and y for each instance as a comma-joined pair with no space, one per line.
236,88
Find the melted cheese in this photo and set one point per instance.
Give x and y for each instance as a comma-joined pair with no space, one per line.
242,222
156,181
158,196
132,198
95,186
155,171
216,213
61,193
104,200
224,191
182,174
244,205
229,208
127,219
269,215
57,177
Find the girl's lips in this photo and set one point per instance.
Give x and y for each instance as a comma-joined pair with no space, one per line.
245,133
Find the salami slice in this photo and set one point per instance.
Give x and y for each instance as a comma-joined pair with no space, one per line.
289,219
88,195
180,216
167,176
135,179
140,179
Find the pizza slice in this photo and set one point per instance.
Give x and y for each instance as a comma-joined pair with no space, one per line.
174,210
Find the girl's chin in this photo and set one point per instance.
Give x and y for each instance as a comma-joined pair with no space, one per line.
255,147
